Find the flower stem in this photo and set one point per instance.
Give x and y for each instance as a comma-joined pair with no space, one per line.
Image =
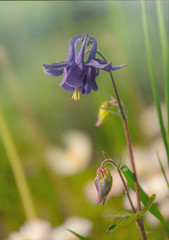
109,160
126,130
17,170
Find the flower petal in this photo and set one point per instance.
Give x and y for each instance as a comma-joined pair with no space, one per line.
75,75
118,67
80,56
57,65
90,78
65,73
55,69
93,50
66,87
53,72
85,89
98,63
71,49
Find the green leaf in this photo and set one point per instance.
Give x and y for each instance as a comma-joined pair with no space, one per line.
133,217
119,214
144,197
153,79
163,171
79,236
165,53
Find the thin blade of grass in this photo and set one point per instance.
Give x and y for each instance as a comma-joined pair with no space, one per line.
153,78
165,53
78,235
144,197
162,169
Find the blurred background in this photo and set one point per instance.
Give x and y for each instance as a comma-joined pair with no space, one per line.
55,137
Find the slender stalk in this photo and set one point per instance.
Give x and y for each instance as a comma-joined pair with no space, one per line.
138,221
153,79
127,137
126,130
109,160
17,169
165,53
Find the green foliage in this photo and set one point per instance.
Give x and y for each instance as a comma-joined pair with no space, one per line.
153,77
163,171
133,217
79,236
144,197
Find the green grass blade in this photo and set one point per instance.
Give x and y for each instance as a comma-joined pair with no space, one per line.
163,171
165,53
153,79
133,217
144,197
79,236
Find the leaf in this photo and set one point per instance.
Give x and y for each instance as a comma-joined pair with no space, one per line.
144,197
163,171
165,53
79,236
133,217
119,214
154,80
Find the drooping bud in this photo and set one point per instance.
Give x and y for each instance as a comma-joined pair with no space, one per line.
103,183
107,108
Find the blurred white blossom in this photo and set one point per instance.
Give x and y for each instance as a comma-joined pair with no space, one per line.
36,229
72,159
149,122
150,175
79,225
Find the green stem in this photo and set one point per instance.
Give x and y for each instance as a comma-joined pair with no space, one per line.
153,79
165,54
17,169
126,130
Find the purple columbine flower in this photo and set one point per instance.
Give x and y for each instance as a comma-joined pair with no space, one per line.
79,76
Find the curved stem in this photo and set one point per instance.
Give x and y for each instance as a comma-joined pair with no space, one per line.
109,160
138,221
126,130
125,125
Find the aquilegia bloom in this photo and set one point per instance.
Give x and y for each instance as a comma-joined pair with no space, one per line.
79,76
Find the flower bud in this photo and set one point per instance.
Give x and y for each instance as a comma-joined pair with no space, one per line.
103,183
106,109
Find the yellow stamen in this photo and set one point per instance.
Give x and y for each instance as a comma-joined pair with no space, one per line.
76,94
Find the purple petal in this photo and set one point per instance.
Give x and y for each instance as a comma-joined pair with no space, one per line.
85,90
67,87
65,73
118,67
90,78
53,72
71,49
75,75
57,65
55,69
75,46
98,63
80,56
93,50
